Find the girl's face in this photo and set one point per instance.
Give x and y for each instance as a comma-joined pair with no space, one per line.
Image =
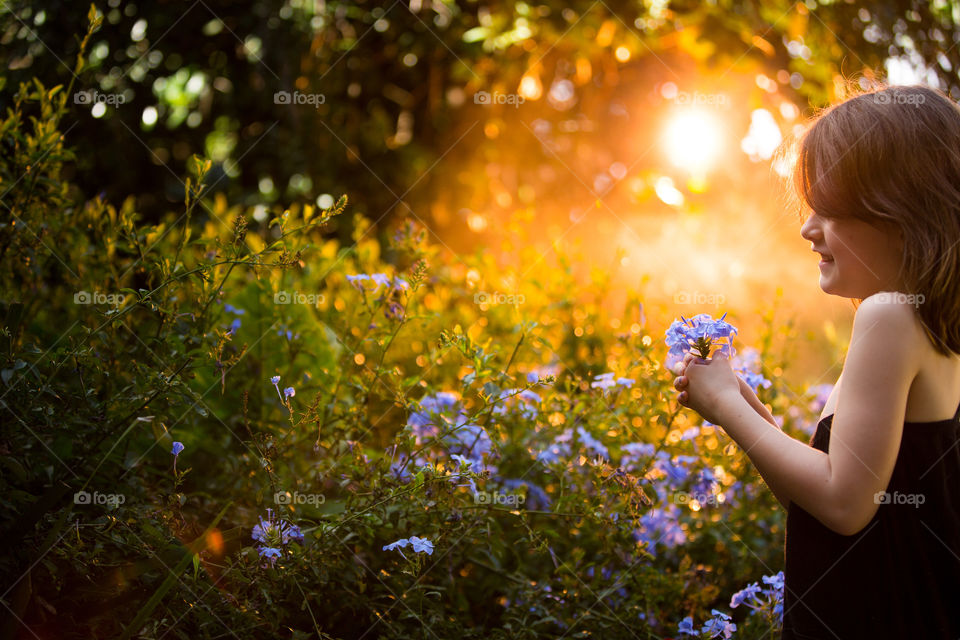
861,259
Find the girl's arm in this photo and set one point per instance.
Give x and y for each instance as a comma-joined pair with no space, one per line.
840,488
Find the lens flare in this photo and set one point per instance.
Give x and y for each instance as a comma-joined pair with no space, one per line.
693,140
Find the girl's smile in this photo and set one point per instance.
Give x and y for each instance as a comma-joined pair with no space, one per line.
858,259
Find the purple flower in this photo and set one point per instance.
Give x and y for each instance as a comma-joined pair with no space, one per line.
177,448
536,499
420,545
461,460
528,402
686,627
719,625
605,381
768,600
274,532
634,451
289,392
275,381
660,526
698,335
748,366
747,596
379,280
358,280
560,448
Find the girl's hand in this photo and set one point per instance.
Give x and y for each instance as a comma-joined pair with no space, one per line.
706,385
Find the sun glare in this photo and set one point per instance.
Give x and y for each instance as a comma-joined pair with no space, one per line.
693,140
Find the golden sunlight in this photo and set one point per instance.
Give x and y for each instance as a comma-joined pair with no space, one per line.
693,139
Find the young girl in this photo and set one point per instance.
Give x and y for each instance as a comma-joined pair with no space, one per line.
872,544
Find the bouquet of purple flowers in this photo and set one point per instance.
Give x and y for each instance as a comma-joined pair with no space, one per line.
697,335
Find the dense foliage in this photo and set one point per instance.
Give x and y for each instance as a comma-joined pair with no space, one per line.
217,426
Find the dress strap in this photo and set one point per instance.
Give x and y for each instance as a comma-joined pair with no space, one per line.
956,416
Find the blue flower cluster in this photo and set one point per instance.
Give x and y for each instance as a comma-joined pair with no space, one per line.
717,626
236,321
376,280
699,333
560,449
536,499
606,380
768,600
527,401
289,392
420,545
441,412
660,525
820,394
273,535
427,423
747,365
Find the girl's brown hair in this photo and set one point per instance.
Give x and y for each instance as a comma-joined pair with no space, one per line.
890,156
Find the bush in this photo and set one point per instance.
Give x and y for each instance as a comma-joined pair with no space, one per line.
455,405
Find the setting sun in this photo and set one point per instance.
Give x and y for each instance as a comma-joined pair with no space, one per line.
693,139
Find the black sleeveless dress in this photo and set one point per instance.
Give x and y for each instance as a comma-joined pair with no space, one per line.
898,577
